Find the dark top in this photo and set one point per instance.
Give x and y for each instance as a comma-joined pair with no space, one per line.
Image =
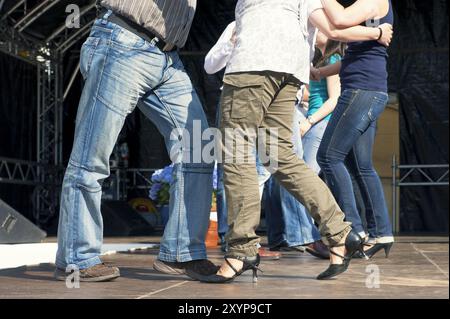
364,65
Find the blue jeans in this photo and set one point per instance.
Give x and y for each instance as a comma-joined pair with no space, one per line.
347,147
123,71
288,221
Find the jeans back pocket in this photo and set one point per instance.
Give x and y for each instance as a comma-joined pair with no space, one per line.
378,106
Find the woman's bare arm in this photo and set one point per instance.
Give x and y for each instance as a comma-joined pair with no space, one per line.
357,33
359,12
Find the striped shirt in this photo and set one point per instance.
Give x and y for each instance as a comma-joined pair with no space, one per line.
171,20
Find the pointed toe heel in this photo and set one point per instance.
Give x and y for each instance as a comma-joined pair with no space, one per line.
353,245
249,264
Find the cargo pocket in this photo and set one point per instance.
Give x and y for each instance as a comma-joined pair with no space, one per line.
242,96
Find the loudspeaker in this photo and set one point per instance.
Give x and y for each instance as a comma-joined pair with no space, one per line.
16,229
119,219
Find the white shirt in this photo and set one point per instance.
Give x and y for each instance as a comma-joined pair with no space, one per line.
313,5
271,35
220,54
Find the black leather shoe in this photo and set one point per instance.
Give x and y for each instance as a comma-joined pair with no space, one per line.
249,264
353,244
371,252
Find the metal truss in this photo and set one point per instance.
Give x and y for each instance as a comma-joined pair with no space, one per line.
44,178
419,172
49,139
126,179
63,38
415,176
19,172
17,45
50,113
47,56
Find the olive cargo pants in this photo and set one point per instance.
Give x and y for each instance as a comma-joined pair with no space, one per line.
266,100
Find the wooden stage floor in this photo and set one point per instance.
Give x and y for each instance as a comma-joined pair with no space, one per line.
417,268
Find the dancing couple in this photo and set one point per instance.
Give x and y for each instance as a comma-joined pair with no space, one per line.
131,60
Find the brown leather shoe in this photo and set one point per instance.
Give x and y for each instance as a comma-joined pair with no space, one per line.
269,255
97,273
204,267
319,250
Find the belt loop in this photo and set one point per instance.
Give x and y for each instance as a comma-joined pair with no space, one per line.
106,17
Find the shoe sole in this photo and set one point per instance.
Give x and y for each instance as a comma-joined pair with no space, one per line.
63,277
165,269
332,277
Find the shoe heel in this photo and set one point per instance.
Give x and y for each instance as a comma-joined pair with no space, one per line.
255,276
363,253
387,249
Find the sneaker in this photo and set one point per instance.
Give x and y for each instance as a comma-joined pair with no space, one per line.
204,267
97,273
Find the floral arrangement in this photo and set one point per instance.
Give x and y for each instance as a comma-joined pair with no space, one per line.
160,185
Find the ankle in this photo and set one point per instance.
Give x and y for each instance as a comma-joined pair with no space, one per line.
227,267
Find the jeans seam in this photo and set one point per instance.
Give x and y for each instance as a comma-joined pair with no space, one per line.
333,136
355,94
180,172
83,160
367,189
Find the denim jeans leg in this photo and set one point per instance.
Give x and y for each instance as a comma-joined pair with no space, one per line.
221,204
101,115
354,117
361,164
176,110
276,227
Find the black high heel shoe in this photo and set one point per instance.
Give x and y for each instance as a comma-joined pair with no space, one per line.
353,244
249,264
371,252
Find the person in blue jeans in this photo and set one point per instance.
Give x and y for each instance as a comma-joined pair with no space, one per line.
122,71
348,142
286,215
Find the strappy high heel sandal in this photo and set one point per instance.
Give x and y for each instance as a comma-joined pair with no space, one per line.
249,264
353,244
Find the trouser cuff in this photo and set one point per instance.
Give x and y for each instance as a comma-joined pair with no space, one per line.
334,240
242,251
